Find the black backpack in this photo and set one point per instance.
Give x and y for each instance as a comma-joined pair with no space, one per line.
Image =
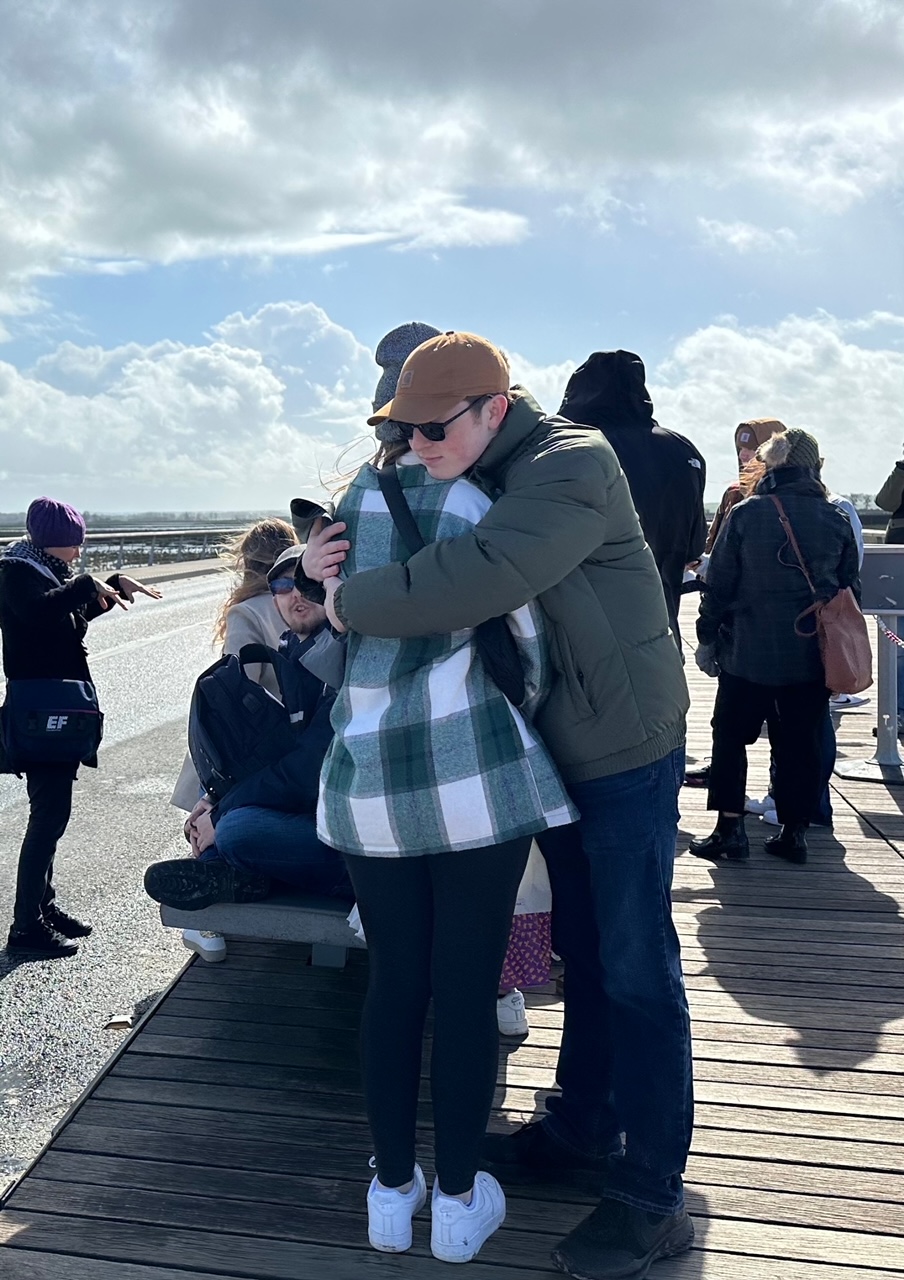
236,727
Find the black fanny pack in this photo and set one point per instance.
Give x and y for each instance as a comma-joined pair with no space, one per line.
50,722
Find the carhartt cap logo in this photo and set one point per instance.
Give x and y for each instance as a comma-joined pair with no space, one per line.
407,378
745,437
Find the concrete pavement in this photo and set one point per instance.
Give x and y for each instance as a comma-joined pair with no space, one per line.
53,1013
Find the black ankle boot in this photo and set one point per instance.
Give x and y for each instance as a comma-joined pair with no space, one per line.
729,840
790,843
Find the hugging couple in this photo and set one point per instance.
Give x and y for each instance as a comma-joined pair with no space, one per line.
436,783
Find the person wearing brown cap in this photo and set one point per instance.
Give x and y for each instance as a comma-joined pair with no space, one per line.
749,436
563,531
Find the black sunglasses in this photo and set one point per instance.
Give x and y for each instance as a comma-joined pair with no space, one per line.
313,592
436,431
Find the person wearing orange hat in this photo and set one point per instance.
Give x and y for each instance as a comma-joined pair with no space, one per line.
749,436
564,532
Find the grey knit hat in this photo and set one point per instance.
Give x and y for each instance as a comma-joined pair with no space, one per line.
392,352
791,448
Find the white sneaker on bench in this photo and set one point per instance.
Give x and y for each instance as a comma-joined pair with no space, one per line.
389,1213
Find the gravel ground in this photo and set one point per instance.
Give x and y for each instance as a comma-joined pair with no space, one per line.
53,1013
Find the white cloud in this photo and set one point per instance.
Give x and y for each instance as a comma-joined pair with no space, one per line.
744,237
197,128
248,419
263,408
805,371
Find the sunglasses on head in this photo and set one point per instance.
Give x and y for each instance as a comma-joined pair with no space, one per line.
436,431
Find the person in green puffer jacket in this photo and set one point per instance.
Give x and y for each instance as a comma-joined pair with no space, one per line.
563,531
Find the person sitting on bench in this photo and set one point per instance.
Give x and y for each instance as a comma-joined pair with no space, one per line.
262,835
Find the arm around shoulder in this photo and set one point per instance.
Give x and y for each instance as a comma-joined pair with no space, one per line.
551,517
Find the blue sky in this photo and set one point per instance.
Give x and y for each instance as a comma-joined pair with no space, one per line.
211,212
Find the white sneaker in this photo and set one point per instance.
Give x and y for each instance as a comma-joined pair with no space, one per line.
847,700
459,1229
389,1213
209,946
758,806
511,1014
769,815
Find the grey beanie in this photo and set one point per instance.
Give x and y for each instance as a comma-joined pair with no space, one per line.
392,352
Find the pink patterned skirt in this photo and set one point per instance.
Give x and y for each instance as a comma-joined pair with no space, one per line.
528,958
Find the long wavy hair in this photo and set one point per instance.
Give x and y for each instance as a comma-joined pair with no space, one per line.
249,557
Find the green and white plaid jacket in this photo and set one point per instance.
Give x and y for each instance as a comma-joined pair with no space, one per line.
428,755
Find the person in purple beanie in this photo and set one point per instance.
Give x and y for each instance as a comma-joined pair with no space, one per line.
45,609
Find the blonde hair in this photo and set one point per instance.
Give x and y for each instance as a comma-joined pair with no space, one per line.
249,557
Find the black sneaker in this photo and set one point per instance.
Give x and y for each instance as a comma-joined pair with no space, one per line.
65,924
529,1154
189,884
618,1241
39,940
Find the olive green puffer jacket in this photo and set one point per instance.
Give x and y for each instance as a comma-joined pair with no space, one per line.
563,530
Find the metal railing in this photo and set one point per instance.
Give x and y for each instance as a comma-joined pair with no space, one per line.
147,546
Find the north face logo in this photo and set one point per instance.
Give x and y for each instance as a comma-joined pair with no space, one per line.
55,723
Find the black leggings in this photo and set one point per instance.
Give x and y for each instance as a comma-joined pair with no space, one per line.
435,925
50,798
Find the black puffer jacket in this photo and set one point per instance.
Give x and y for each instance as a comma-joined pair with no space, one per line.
665,472
755,589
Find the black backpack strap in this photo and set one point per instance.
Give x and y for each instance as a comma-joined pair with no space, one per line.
391,489
258,653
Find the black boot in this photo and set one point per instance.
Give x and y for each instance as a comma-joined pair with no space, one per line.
790,843
65,924
729,840
39,940
190,884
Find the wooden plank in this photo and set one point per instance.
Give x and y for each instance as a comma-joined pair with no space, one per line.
286,1157
251,1101
509,1096
294,1188
344,1043
224,1255
25,1265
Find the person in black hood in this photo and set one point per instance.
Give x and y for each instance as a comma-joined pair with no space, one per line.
665,472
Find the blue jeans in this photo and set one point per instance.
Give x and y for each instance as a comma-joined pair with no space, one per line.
828,749
283,846
625,1062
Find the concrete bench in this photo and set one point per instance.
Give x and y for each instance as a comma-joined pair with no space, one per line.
284,917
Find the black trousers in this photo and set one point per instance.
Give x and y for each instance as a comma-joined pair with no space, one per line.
794,715
435,925
50,800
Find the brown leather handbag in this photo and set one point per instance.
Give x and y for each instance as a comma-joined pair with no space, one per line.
839,627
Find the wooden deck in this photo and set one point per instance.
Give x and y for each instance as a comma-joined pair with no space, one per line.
229,1139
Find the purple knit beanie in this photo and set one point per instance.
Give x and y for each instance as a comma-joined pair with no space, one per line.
54,524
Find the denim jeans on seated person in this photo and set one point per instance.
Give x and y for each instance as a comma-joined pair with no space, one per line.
625,1061
283,846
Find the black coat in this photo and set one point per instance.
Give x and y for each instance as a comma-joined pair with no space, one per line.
43,626
755,590
665,472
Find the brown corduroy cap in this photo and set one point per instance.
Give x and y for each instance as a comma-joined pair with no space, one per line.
756,431
441,372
